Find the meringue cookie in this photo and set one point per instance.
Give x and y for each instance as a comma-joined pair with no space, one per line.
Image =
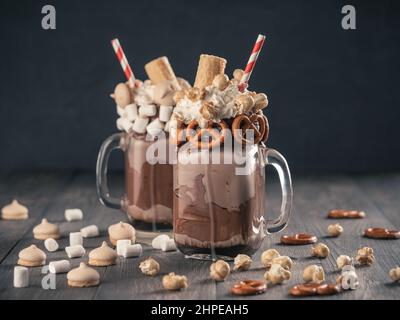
14,211
46,230
102,256
31,257
83,276
120,231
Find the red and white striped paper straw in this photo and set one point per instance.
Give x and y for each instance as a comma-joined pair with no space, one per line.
252,62
124,62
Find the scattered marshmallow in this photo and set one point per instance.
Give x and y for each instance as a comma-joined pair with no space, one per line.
121,244
131,112
155,127
21,277
75,238
165,113
168,245
61,266
90,231
131,250
76,251
157,241
140,125
124,124
149,110
51,245
73,215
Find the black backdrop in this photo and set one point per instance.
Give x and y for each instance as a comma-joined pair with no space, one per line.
334,94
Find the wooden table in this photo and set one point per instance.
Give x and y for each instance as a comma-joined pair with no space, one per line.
49,194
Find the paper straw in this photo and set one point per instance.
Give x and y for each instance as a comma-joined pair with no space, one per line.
124,62
252,62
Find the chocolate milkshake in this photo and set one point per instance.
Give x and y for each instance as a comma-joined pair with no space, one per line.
148,198
144,110
219,183
217,211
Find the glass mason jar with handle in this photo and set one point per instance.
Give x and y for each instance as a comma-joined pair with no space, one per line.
219,211
148,187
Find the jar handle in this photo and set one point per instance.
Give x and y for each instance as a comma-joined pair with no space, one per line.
110,144
274,158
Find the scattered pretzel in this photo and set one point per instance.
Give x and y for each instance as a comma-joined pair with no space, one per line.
249,287
195,134
313,289
256,122
299,239
346,214
381,233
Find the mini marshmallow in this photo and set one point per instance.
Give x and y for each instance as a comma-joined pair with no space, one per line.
61,266
75,238
168,245
121,244
120,111
157,241
73,215
124,124
149,110
90,231
75,251
21,277
51,245
131,250
131,112
155,127
165,113
140,125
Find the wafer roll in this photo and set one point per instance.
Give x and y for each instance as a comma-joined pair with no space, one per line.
209,67
160,70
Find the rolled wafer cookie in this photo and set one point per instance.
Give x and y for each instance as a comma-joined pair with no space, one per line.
160,70
209,67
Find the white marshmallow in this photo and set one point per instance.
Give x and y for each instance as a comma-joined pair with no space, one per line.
131,250
149,110
61,266
21,277
51,245
155,127
140,125
75,238
124,124
131,112
120,111
90,231
165,113
73,215
157,241
75,251
121,244
168,245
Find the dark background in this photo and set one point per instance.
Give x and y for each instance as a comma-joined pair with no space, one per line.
334,94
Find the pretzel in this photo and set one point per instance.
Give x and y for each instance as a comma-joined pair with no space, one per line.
299,239
346,214
256,122
313,289
217,137
249,287
381,233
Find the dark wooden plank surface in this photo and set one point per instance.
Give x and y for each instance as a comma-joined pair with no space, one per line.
50,194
